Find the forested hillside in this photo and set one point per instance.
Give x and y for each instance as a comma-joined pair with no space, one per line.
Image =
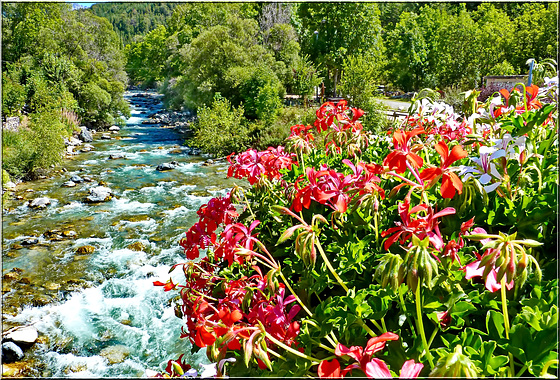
133,19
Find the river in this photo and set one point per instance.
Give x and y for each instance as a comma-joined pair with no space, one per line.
98,314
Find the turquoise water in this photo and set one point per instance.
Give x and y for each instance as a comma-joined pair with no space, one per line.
115,307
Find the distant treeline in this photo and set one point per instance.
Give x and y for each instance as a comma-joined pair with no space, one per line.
133,19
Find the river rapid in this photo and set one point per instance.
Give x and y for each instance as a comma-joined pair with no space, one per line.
98,314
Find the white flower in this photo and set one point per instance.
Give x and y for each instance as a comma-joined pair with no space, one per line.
486,170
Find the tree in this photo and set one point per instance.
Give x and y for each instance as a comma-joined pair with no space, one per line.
408,52
305,78
147,58
331,31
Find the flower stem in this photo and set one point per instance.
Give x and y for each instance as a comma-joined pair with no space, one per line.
268,349
331,269
523,369
378,326
421,325
291,350
294,293
506,323
432,338
375,215
401,299
548,364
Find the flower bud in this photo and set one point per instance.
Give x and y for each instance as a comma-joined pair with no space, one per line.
455,364
387,272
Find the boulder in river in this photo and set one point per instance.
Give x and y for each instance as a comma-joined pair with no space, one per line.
10,186
136,246
76,178
72,141
116,156
69,184
114,128
85,249
167,166
106,136
85,135
42,202
23,336
30,241
115,354
99,194
11,352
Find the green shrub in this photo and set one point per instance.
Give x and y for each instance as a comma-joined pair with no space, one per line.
39,146
13,96
221,128
375,120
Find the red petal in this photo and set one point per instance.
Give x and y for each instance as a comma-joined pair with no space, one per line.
447,189
357,113
377,343
456,154
416,160
329,369
377,369
430,173
442,149
411,369
354,352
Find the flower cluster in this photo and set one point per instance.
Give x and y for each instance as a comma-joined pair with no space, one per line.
343,131
422,226
231,321
328,187
300,139
202,234
253,165
439,119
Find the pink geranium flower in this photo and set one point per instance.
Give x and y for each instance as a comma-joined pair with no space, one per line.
472,270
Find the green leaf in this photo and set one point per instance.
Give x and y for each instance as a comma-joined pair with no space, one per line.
495,324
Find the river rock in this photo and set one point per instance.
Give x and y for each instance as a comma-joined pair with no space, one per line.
85,135
87,178
85,249
167,166
116,156
30,241
70,149
72,141
13,275
114,128
115,354
106,136
136,246
99,194
76,178
69,184
11,352
22,336
69,234
40,202
10,186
